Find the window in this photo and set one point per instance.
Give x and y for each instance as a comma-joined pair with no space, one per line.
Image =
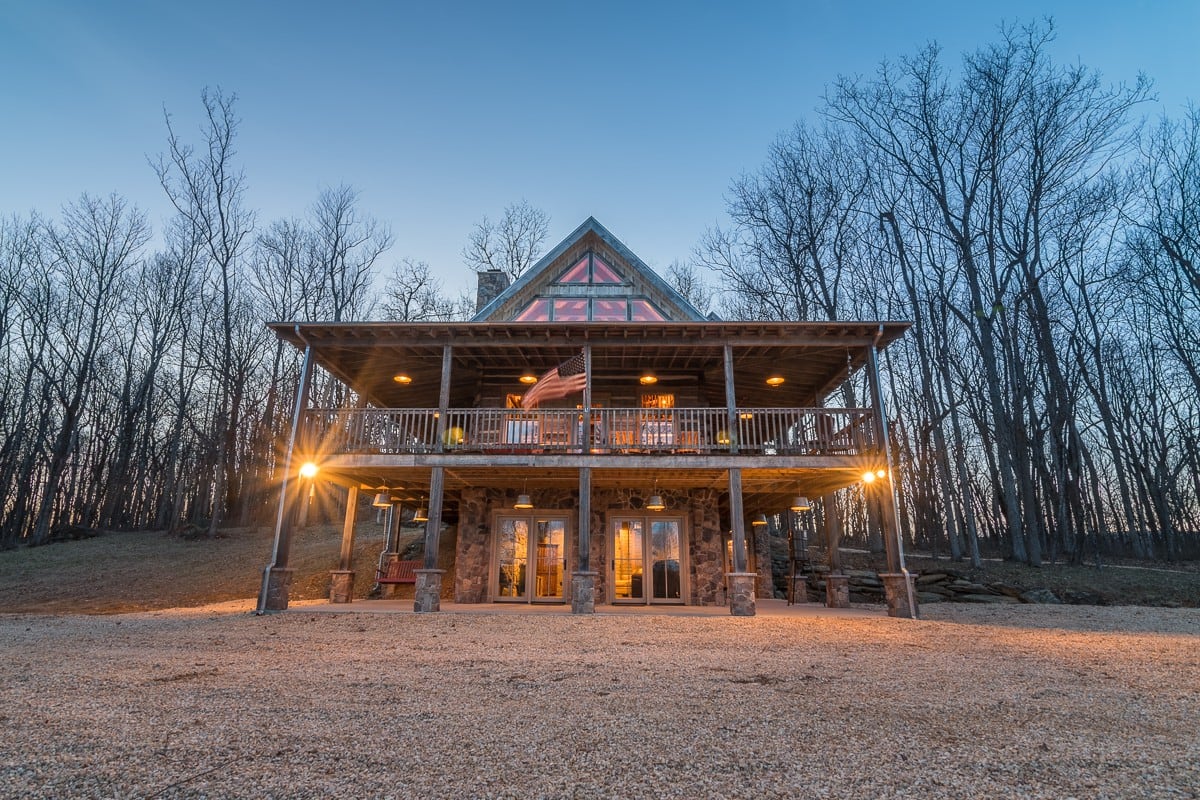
590,269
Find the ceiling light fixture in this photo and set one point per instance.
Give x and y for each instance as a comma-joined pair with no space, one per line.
523,501
775,380
402,379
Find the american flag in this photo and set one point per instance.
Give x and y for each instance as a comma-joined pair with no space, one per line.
567,378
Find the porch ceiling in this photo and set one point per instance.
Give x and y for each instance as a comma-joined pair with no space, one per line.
813,358
763,489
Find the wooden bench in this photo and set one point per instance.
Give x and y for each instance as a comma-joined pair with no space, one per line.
398,572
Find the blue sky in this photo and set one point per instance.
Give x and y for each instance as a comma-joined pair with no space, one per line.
440,112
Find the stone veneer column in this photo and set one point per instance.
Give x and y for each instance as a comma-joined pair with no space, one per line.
427,596
900,592
837,591
741,593
341,585
279,581
472,554
583,592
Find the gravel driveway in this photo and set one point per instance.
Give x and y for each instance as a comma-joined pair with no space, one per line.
1012,701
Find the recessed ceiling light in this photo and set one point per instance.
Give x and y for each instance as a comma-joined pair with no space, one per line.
402,378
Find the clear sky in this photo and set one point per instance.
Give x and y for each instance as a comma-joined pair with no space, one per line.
638,113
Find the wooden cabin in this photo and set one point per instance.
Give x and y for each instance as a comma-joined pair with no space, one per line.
588,437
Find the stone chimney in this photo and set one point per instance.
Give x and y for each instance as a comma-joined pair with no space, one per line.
491,283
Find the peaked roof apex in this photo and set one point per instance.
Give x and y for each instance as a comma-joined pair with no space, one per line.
589,225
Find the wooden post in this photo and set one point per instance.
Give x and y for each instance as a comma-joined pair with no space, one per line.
583,580
341,580
741,582
439,444
277,575
585,517
586,434
889,518
731,419
346,561
427,593
737,520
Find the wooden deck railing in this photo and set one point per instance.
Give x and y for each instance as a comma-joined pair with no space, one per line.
757,431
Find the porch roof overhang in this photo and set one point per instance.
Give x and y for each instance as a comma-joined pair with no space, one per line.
768,485
813,357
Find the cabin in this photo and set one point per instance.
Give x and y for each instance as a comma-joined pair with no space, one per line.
590,437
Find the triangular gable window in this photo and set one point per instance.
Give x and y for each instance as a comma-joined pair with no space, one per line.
590,269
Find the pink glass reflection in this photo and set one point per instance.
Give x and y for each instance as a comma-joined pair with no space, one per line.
576,274
609,310
570,310
536,311
603,273
644,311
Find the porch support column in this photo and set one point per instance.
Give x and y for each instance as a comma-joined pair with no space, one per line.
427,595
731,418
341,580
837,584
277,575
583,580
898,586
741,582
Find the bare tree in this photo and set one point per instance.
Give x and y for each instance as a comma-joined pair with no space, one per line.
412,294
345,245
511,245
206,188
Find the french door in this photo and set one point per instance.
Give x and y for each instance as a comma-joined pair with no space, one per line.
531,558
647,559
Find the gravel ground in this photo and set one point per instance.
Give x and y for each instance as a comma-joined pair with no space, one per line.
1024,701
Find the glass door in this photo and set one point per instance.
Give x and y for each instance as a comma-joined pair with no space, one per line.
647,569
530,563
550,543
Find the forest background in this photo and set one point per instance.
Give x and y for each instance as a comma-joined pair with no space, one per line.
1038,231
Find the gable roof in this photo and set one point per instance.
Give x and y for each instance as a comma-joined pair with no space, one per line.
590,235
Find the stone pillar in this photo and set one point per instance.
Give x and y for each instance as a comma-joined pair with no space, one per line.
583,592
341,585
275,588
899,591
837,591
741,593
427,596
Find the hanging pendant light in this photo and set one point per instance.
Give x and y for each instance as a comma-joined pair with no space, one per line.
800,503
422,515
655,503
759,520
382,499
523,501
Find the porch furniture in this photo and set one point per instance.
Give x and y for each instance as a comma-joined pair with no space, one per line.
398,572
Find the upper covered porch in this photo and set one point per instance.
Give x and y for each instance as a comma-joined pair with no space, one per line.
674,394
